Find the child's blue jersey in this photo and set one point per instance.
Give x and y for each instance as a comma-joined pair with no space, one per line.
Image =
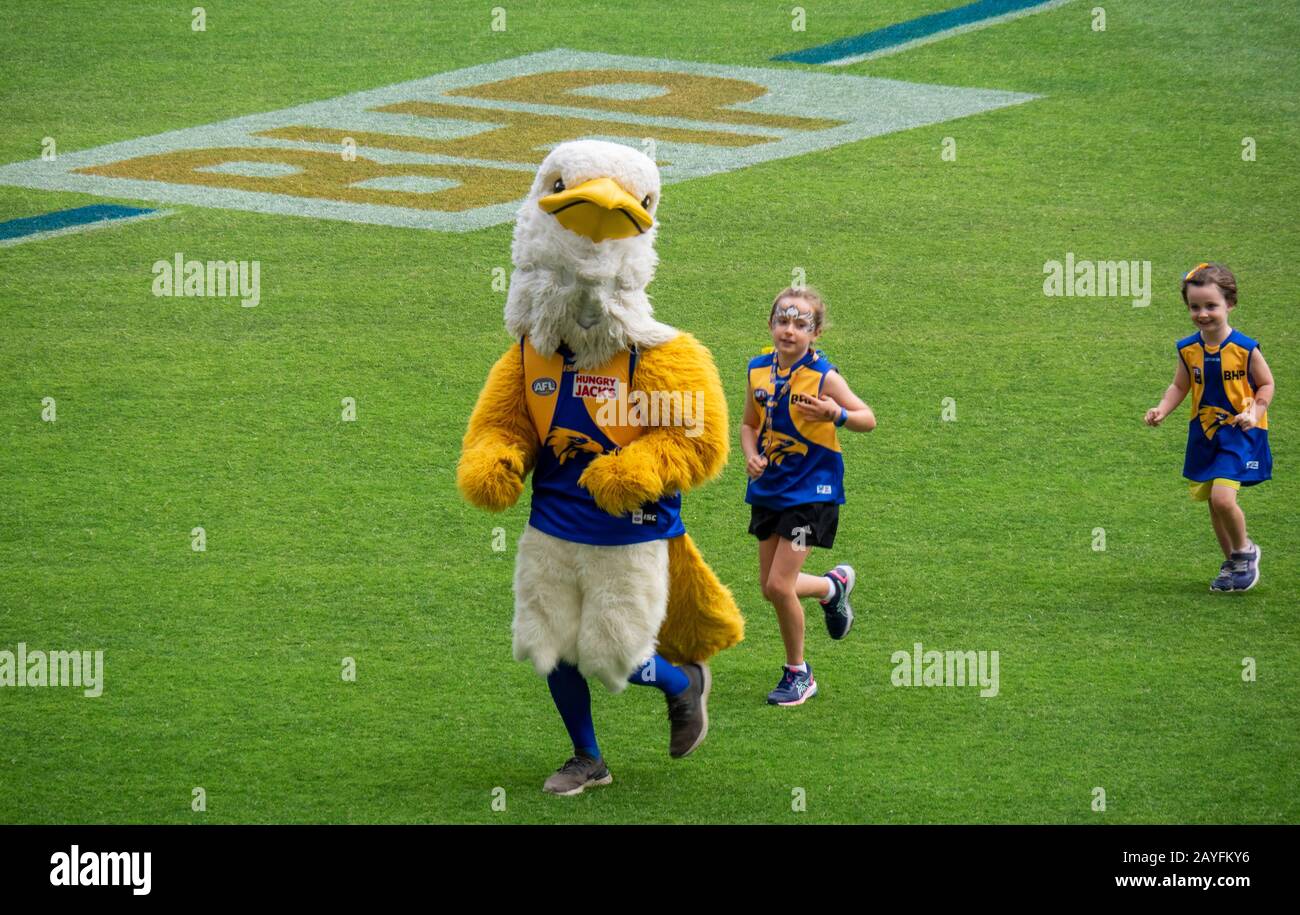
804,463
573,414
1221,385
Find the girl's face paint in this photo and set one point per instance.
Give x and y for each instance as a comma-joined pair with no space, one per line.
793,330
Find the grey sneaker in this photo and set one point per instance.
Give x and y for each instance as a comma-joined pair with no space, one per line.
688,712
1223,581
579,773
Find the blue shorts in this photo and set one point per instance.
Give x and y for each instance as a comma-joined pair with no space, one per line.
1230,453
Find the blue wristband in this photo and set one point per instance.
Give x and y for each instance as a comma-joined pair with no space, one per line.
844,417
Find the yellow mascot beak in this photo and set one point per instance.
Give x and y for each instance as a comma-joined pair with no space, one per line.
598,209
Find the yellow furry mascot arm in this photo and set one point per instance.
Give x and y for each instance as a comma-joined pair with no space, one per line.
667,458
500,445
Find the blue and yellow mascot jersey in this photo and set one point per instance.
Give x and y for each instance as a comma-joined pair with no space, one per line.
563,404
1221,386
804,463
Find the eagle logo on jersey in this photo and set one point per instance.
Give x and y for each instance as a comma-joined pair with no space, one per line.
779,447
1212,418
567,443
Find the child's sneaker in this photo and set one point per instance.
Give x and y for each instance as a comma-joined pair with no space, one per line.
1223,581
1245,568
796,687
839,615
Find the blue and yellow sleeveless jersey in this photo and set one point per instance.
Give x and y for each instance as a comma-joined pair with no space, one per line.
564,404
1221,386
804,463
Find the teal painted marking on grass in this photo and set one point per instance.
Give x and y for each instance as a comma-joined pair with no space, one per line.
922,30
63,222
64,219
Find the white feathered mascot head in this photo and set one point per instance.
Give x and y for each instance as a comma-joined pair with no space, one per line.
584,253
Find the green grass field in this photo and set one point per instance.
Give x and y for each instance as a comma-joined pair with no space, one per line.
330,539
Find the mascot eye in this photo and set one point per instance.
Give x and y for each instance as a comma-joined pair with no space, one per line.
558,186
646,202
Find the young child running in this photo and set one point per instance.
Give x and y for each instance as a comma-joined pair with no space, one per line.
794,402
1227,438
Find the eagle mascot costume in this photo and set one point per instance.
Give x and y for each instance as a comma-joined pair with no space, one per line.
616,415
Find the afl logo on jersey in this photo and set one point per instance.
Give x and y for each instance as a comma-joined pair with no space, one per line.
543,387
1196,374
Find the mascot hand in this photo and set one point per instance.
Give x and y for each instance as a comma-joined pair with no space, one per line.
621,481
491,477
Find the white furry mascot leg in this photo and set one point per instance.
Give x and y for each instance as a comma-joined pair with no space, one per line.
598,608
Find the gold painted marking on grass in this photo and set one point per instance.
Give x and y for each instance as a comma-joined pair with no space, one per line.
689,95
521,107
326,175
521,136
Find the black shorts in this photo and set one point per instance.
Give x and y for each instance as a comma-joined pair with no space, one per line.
818,520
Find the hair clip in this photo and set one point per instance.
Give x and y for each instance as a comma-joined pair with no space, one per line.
1191,273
